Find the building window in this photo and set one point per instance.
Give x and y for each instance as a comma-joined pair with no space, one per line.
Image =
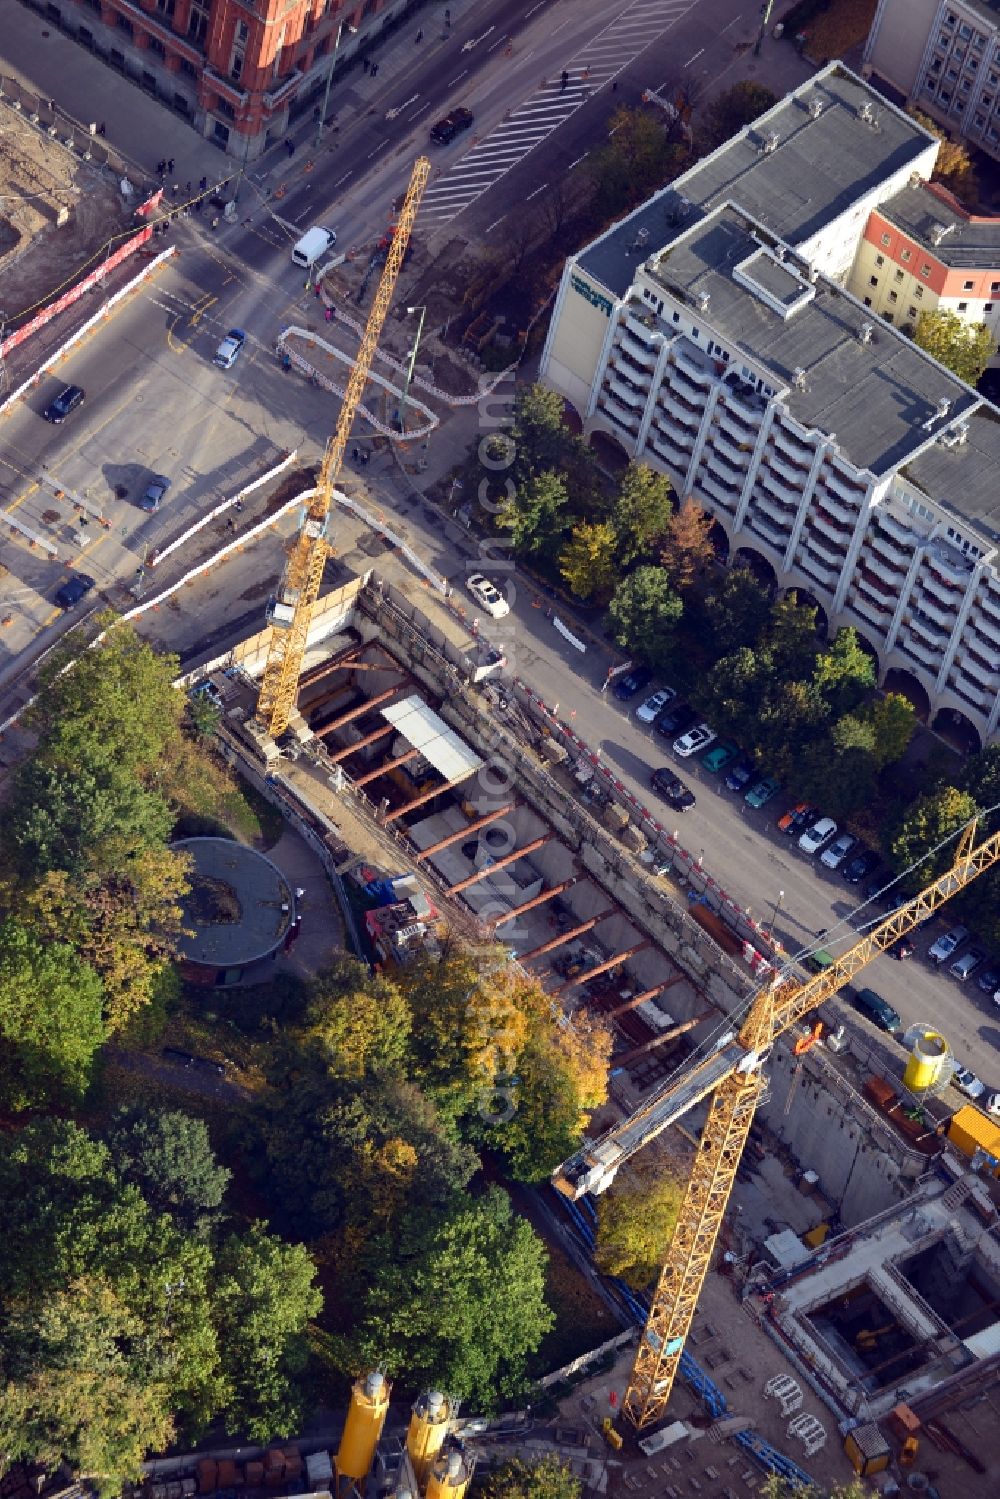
188,68
980,121
925,269
918,291
236,65
166,8
221,132
873,281
198,23
225,108
894,296
963,306
887,239
242,33
911,312
868,301
945,96
887,316
968,285
124,24
988,308
907,255
155,48
880,260
898,276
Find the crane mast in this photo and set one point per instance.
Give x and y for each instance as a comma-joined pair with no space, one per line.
291,611
733,1074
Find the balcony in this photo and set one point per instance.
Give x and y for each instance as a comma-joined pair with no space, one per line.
827,576
824,526
789,494
969,692
726,495
852,491
637,350
694,365
724,467
674,396
676,431
834,555
917,650
888,550
776,536
800,450
948,566
639,331
928,604
893,577
780,515
627,393
741,425
903,534
988,628
927,630
989,604
795,474
620,415
837,505
627,367
729,451
875,615
983,676
667,453
745,396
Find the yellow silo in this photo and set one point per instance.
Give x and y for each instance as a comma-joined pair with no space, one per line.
450,1477
428,1429
927,1061
363,1427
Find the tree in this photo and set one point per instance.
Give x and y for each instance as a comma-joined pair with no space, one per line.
534,514
644,613
462,1308
204,715
791,637
539,434
168,1155
544,1478
775,1487
953,165
359,1024
587,561
964,348
264,1297
733,109
737,611
687,548
642,511
884,727
636,161
50,1018
979,774
841,779
635,1222
924,826
844,673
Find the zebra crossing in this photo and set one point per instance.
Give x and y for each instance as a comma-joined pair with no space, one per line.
533,121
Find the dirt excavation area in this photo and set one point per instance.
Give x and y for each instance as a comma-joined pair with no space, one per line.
57,214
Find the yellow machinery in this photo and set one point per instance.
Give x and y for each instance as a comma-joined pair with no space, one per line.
733,1076
291,610
450,1477
428,1429
927,1062
365,1418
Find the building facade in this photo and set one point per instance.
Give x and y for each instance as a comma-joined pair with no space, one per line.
712,335
238,70
944,57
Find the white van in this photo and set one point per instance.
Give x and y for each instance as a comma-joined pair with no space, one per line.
314,243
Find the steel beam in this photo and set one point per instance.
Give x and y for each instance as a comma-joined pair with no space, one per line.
592,973
576,931
630,1004
537,900
388,728
480,874
326,668
369,703
383,770
471,827
660,1039
425,796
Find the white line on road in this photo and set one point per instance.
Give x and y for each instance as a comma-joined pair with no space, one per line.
531,12
731,23
578,161
342,179
695,57
375,152
536,192
455,80
495,223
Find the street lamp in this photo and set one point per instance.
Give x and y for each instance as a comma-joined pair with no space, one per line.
774,914
352,31
410,367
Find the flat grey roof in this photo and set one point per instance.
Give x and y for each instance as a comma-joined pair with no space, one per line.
239,907
917,210
964,479
873,395
421,727
817,168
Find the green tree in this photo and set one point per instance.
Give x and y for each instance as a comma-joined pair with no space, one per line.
587,561
687,546
922,827
463,1309
731,693
264,1297
964,348
635,1222
842,779
204,716
979,775
953,165
737,611
844,673
775,1487
169,1157
50,1018
734,108
644,614
791,637
359,1024
539,436
636,161
642,511
544,1478
790,718
535,513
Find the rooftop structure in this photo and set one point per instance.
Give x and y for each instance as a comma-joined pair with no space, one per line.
238,911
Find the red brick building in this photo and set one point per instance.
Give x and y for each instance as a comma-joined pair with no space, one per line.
239,70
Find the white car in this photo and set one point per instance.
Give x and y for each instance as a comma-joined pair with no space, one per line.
698,738
230,348
835,853
941,950
653,706
821,832
992,1104
967,1082
488,596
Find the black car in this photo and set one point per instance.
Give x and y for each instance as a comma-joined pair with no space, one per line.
740,773
72,592
632,682
68,399
860,866
672,789
453,124
675,719
989,979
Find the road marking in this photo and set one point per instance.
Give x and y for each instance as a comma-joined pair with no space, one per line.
536,192
460,76
375,152
531,12
343,179
495,223
578,161
695,57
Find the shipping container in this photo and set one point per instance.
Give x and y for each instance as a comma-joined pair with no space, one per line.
970,1130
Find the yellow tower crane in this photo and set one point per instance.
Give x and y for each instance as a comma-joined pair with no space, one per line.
291,610
733,1074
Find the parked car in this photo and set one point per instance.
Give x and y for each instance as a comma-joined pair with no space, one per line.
903,947
762,791
970,961
719,756
68,399
660,699
941,950
74,590
451,125
487,595
967,1082
678,717
813,839
989,979
672,789
991,1103
739,774
632,682
230,349
836,852
797,818
698,738
860,865
153,495
878,1010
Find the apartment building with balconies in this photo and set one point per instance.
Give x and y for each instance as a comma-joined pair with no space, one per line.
697,337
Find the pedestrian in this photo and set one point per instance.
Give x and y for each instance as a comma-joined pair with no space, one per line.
420,35
197,205
170,165
203,184
290,147
365,65
354,454
328,314
187,188
231,524
161,167
374,68
238,507
102,129
215,222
